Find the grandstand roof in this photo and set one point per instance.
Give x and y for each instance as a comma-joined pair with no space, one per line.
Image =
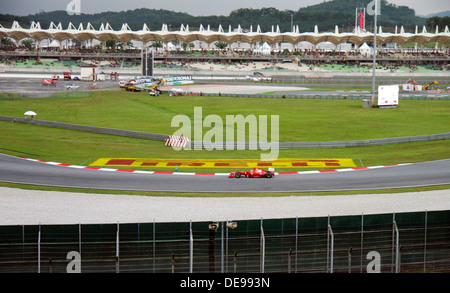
125,34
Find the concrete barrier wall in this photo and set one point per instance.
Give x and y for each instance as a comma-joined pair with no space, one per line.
339,96
102,130
237,145
335,144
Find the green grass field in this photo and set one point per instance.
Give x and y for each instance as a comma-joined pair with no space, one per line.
300,120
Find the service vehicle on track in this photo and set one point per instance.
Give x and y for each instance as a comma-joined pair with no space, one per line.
72,87
50,82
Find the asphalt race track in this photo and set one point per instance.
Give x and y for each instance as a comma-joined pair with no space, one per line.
18,170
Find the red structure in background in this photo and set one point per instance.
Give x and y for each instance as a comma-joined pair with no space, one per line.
361,20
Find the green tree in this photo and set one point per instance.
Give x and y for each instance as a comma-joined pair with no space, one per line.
441,22
156,44
221,45
28,43
112,44
6,42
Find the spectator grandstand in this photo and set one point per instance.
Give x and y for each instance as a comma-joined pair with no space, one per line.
228,59
216,50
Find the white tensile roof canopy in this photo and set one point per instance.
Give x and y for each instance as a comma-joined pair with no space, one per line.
125,34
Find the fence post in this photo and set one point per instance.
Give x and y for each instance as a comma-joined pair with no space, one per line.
425,244
393,243
117,248
23,240
154,245
328,243
350,260
235,262
222,249
262,249
397,251
39,249
362,245
211,250
331,249
191,248
173,263
296,243
79,238
226,249
289,260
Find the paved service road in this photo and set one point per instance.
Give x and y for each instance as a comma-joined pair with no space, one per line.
17,170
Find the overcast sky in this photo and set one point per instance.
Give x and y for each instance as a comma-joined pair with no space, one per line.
193,7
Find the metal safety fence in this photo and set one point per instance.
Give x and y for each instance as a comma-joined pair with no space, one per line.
386,243
45,93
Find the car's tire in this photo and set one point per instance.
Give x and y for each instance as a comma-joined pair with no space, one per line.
237,175
269,175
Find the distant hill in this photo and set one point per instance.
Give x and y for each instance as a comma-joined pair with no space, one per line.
439,14
326,15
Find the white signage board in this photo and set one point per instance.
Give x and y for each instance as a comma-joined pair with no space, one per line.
388,95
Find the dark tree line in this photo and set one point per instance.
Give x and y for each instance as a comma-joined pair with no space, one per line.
434,21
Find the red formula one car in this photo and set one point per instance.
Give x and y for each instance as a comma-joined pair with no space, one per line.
257,173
